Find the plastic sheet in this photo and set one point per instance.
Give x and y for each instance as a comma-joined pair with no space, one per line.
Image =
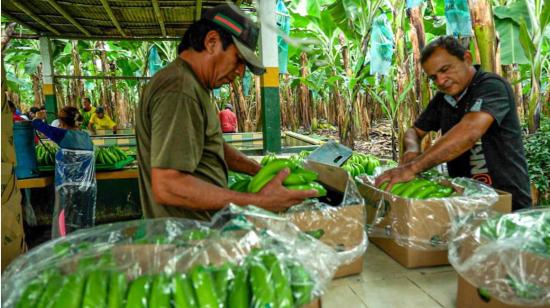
381,50
423,224
339,219
413,3
283,23
507,255
75,191
458,18
159,260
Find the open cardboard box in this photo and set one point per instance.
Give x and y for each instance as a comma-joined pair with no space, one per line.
400,218
493,269
344,226
468,296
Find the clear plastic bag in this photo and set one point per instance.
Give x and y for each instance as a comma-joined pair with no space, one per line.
75,191
423,224
339,218
160,261
507,255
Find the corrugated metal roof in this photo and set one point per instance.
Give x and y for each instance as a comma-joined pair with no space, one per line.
93,19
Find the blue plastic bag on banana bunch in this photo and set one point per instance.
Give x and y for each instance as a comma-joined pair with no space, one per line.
381,46
458,18
283,22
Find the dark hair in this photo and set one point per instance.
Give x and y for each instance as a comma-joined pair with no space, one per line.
448,42
87,99
195,35
70,116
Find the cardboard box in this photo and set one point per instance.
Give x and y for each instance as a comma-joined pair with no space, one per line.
344,226
467,296
399,219
494,267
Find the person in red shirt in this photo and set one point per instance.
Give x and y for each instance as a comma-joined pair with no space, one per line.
228,119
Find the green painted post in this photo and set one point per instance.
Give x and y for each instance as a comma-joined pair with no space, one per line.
271,109
48,87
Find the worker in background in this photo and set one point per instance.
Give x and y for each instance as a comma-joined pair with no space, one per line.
75,181
100,120
183,159
87,112
476,113
228,119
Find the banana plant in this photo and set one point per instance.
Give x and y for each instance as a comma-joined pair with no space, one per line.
532,36
390,101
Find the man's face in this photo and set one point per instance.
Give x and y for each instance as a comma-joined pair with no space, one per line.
100,115
86,105
228,65
450,74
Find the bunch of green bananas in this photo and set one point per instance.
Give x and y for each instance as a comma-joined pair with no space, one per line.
298,179
109,155
420,188
360,163
45,153
262,280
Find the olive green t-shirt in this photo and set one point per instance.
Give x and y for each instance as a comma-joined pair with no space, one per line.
177,128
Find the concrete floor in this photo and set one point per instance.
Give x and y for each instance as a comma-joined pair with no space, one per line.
384,283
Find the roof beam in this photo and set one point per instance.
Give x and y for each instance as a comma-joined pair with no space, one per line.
58,8
19,21
198,10
112,16
159,17
32,15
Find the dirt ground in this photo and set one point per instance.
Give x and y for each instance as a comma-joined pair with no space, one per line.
378,141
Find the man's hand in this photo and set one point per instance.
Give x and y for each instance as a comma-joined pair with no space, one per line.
275,197
408,156
400,174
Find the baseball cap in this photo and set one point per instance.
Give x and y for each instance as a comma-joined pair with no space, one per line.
100,110
243,31
228,106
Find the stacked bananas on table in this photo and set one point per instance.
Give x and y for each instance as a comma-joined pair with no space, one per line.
360,163
109,155
45,153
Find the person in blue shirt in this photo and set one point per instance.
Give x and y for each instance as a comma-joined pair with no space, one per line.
75,181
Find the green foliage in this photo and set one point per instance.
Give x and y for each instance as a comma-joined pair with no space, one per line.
537,152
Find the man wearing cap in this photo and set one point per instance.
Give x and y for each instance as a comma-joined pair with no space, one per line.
183,159
228,120
100,120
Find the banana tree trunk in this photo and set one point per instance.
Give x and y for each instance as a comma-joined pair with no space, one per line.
77,84
418,40
240,106
484,30
533,116
511,72
304,104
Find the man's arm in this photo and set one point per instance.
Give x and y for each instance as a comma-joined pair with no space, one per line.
412,139
175,188
456,141
91,124
239,162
